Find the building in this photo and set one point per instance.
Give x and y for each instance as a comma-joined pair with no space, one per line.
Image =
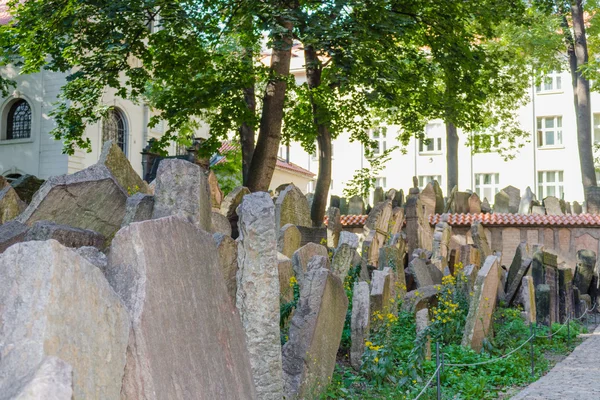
548,162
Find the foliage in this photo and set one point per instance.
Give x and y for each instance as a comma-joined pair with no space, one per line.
229,170
286,309
364,178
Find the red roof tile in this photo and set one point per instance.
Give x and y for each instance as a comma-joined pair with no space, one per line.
351,220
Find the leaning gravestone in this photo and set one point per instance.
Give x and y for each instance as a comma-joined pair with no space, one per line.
359,323
113,158
552,205
501,202
514,198
356,206
302,257
10,204
258,291
288,240
315,334
565,294
291,207
89,199
398,199
526,201
187,341
54,303
483,304
527,298
518,269
182,190
138,208
485,206
423,274
380,292
428,199
26,186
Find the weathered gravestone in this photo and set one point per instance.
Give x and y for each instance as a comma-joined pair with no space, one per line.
89,199
52,380
344,254
302,257
310,234
526,201
310,197
10,233
421,324
423,297
501,202
334,227
544,272
428,199
182,190
94,256
542,304
565,294
577,209
26,186
527,298
258,291
216,194
360,322
288,240
314,336
584,271
291,207
53,302
393,258
460,202
228,261
113,158
186,331
356,206
375,231
517,270
138,208
552,205
398,200
482,305
390,194
397,221
514,199
343,206
65,235
412,225
474,204
286,273
480,241
378,195
380,292
420,273
469,254
229,207
441,246
220,224
10,204
538,210
485,206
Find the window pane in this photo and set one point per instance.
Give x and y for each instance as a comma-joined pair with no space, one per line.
540,138
558,83
497,176
439,143
560,176
549,138
549,122
550,176
560,192
559,122
487,179
540,177
421,146
558,137
548,83
487,193
551,191
541,191
384,146
429,145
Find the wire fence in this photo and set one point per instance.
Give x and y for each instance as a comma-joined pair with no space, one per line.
429,382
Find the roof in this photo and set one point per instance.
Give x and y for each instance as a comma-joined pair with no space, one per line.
589,220
294,168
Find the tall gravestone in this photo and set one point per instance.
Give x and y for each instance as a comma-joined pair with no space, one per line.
258,291
480,240
553,206
501,202
302,257
526,201
514,199
344,254
584,270
291,207
565,293
334,227
359,323
474,204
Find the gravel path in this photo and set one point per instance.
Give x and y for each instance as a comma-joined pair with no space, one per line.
576,377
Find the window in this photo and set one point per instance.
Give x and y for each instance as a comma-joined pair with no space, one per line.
432,142
487,185
550,183
380,136
596,128
550,83
114,127
18,121
549,130
425,179
380,182
484,143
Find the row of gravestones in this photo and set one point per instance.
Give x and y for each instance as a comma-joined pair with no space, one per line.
183,313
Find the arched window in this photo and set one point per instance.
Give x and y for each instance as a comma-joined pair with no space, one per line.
114,127
18,123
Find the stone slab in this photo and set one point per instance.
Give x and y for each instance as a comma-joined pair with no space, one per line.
291,207
360,322
288,240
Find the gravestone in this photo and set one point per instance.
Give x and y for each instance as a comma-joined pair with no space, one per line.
565,294
10,233
567,208
460,202
334,201
584,270
518,269
182,318
10,205
393,258
65,235
469,254
421,324
480,241
577,209
309,234
229,207
398,199
552,205
428,199
286,272
538,210
378,195
375,231
450,203
89,199
527,298
485,206
356,206
115,161
439,198
521,252
592,200
26,186
482,305
474,204
182,190
315,333
216,194
390,195
526,201
334,227
344,254
258,291
542,303
423,297
291,207
138,208
441,245
288,240
302,257
423,274
501,202
381,292
220,224
228,261
359,323
56,304
397,221
412,225
514,199
343,206
310,197
93,256
544,271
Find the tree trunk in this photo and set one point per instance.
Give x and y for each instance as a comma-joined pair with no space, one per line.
451,156
247,135
313,78
578,58
269,135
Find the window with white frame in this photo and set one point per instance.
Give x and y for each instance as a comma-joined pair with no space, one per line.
549,131
596,128
380,182
432,142
425,179
379,135
487,185
550,83
550,183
